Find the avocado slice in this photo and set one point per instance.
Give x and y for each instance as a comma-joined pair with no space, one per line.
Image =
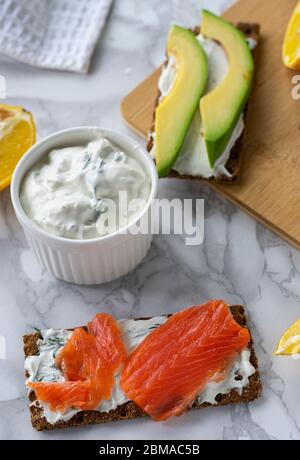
221,108
175,112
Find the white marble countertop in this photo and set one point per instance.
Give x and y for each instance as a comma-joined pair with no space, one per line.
240,260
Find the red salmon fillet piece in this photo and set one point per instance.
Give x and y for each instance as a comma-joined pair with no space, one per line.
167,371
75,359
89,362
110,347
60,396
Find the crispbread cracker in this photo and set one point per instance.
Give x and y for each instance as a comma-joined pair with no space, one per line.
234,162
130,410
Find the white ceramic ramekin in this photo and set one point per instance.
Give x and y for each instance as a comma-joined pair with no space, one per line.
96,260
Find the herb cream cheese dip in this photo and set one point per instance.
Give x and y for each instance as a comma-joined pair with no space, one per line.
73,192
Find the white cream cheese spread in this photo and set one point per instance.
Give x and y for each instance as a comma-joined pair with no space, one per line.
193,158
74,192
41,367
252,43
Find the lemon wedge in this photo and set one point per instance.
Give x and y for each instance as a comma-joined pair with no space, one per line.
289,344
291,44
17,135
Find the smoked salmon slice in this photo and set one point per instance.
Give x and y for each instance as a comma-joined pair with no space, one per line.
167,371
89,361
60,396
76,358
110,347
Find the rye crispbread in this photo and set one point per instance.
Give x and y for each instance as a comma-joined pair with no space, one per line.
234,162
129,410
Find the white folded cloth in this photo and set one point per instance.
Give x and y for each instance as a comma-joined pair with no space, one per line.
55,34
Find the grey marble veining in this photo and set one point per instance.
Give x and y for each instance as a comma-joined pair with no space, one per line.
240,260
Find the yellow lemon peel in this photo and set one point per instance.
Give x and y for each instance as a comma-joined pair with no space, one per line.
289,344
291,44
17,135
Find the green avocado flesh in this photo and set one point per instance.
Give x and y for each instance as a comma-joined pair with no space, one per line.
175,112
221,108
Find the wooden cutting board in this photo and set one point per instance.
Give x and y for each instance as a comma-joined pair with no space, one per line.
269,188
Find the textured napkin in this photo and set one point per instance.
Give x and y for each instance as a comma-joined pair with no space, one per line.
55,34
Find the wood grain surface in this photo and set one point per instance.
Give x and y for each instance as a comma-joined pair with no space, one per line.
269,187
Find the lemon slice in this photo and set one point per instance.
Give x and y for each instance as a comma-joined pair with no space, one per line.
289,344
17,135
291,44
